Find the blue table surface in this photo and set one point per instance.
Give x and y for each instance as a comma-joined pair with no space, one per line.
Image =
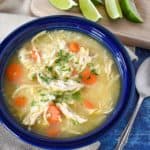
140,135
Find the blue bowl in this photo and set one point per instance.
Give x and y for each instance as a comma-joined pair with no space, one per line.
99,33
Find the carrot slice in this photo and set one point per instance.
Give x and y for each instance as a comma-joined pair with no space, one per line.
53,131
88,104
54,114
14,72
88,77
74,47
20,101
86,73
90,80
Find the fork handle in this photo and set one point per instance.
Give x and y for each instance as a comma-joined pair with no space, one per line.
126,132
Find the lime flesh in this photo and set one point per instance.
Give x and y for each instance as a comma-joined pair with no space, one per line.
89,10
113,9
63,4
130,11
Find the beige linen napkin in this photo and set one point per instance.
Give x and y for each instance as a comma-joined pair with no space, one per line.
15,6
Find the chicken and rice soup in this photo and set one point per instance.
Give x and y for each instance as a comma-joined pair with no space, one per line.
61,84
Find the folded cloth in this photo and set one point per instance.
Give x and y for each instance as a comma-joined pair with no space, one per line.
16,6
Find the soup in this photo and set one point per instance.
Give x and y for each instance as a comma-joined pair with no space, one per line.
61,84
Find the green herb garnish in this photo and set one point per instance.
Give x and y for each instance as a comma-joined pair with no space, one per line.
33,103
63,68
49,68
76,95
44,100
42,94
45,78
33,77
74,122
94,71
63,56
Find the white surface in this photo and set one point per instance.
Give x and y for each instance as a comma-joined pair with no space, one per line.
8,22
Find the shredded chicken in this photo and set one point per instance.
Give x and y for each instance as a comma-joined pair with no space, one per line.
34,113
32,116
23,87
60,85
37,36
69,114
39,110
84,58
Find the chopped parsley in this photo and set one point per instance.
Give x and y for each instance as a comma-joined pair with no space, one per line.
44,100
49,69
68,96
33,77
44,78
63,56
76,95
33,103
63,68
42,94
94,71
75,122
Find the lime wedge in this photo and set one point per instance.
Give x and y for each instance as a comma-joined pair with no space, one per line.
63,4
130,11
89,10
113,9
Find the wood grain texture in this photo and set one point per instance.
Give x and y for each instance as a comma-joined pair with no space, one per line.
132,34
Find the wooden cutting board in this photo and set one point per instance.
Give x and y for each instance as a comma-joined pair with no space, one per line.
132,34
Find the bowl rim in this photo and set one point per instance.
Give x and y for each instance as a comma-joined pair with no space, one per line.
87,138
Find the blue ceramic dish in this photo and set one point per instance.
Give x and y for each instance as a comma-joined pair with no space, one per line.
99,33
